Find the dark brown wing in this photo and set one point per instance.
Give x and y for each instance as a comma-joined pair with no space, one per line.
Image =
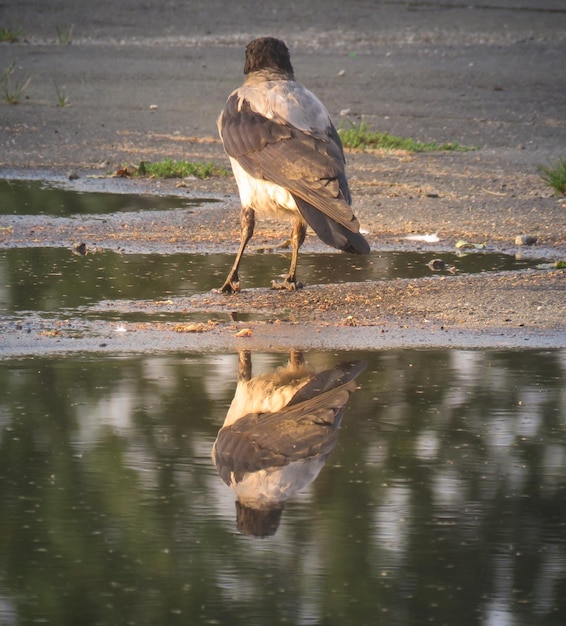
309,165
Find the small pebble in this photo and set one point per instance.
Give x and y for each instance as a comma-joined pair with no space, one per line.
525,240
437,264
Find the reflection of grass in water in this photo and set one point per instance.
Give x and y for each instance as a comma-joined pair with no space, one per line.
361,137
179,169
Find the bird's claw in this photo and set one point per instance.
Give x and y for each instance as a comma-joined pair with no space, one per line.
230,286
289,285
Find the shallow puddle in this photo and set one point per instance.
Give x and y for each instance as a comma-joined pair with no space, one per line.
55,279
23,197
442,501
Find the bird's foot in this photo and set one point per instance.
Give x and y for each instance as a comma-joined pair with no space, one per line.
230,286
287,284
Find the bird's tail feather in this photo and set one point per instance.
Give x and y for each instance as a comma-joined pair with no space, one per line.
332,233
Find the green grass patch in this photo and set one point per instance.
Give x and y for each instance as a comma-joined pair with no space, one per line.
180,169
361,137
555,176
7,35
12,88
62,100
64,35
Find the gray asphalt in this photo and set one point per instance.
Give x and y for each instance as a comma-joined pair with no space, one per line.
142,78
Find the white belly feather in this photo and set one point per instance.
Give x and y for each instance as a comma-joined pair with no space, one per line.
261,195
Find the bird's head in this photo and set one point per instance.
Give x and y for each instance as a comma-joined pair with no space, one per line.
268,53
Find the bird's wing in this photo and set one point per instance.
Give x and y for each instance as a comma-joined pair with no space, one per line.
307,162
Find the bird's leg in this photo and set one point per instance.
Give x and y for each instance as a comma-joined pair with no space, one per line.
297,238
247,222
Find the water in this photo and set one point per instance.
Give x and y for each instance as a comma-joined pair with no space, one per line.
22,197
52,279
443,502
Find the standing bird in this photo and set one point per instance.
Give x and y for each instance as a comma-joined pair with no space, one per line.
287,158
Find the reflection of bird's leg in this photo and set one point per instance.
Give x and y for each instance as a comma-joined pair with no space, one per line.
244,365
297,358
297,238
247,221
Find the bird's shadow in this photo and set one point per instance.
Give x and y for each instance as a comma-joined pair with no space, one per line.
278,433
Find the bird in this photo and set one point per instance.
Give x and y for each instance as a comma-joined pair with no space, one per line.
287,158
278,432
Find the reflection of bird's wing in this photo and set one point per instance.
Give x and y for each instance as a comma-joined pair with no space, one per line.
301,430
329,379
309,162
258,441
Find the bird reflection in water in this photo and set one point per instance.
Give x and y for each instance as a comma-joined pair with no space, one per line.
279,430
